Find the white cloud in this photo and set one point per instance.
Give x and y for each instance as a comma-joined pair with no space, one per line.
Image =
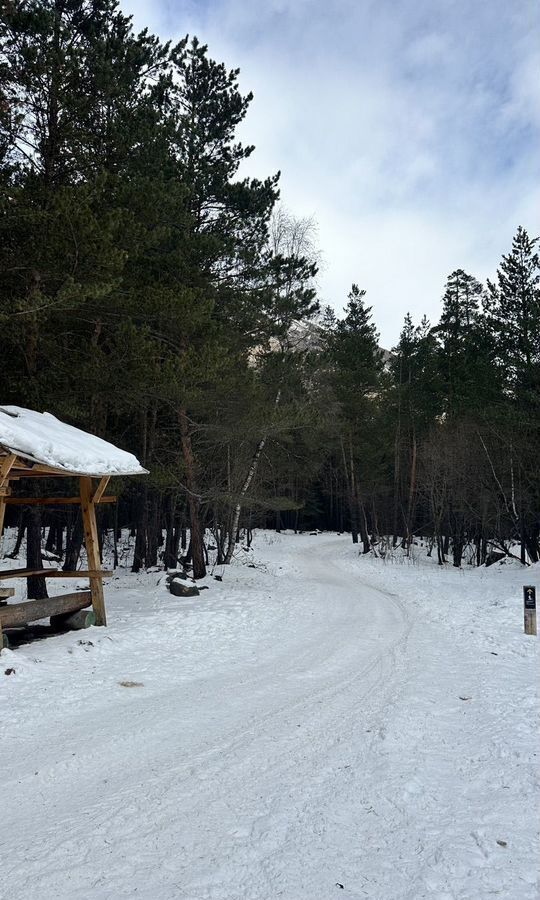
405,127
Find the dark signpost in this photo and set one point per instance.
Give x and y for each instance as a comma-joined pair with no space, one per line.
529,608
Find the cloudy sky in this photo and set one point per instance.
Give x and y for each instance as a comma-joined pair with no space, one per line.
409,129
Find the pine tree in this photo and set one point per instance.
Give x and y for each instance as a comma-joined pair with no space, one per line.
78,90
79,87
512,305
415,402
355,365
465,348
354,352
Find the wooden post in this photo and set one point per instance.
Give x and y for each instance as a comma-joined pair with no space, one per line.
5,467
91,541
100,490
529,608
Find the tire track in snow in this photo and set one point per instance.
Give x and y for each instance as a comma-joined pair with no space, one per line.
242,798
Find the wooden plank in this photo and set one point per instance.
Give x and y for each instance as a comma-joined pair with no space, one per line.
51,501
81,573
91,541
100,490
33,610
56,573
17,473
25,573
40,469
25,469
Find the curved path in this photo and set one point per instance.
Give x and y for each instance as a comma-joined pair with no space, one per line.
220,773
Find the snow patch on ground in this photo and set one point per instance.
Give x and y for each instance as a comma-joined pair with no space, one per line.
321,725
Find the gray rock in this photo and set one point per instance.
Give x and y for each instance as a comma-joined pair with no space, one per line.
172,575
183,590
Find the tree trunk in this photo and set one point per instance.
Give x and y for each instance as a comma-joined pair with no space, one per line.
349,481
115,537
440,551
171,544
37,586
21,529
140,552
354,498
59,540
50,542
154,536
412,493
194,500
74,545
364,532
457,551
395,534
245,487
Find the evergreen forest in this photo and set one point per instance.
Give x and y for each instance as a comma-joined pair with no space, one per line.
154,295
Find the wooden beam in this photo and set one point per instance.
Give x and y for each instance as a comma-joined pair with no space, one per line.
91,541
41,469
25,573
55,573
5,467
81,573
25,469
100,490
32,610
82,618
52,501
32,473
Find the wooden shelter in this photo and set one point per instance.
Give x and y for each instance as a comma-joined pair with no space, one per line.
37,445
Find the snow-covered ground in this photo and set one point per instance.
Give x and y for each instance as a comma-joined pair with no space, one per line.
322,725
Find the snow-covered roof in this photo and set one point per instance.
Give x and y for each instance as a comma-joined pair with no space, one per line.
42,438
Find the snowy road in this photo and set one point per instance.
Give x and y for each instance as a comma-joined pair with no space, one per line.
290,734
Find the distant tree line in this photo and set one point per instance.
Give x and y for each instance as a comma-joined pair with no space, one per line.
153,295
443,441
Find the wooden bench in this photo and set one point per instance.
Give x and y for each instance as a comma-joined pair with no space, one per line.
58,608
63,609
